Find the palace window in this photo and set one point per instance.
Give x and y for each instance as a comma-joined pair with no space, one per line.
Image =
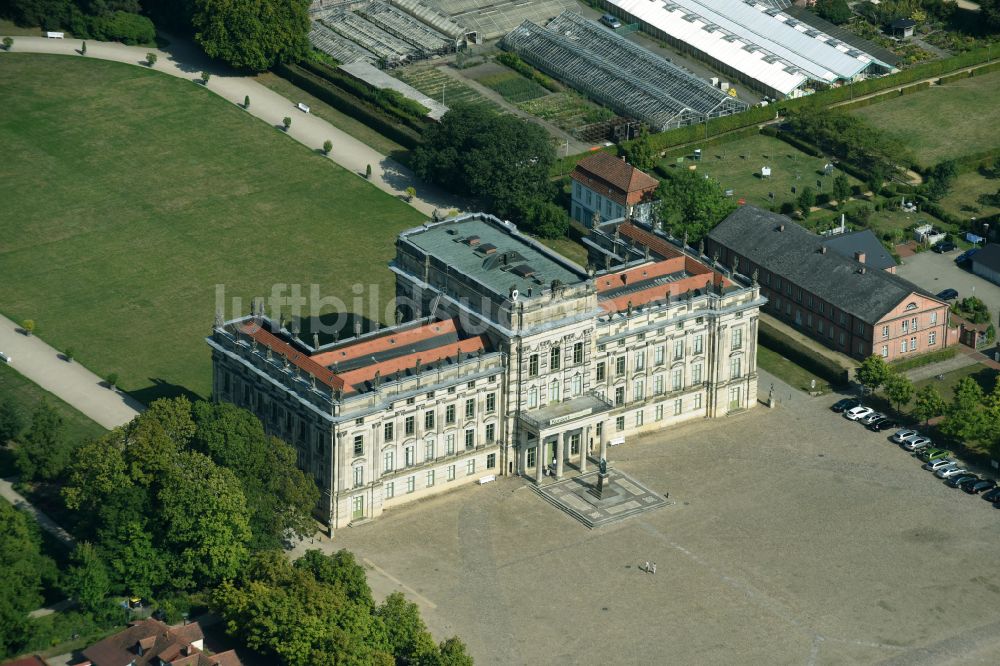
470,408
430,478
620,423
697,401
409,456
638,390
658,384
491,431
619,395
737,338
429,449
620,365
532,397
678,406
735,367
491,461
451,472
533,365
658,354
388,461
359,445
470,467
658,413
578,352
679,349
554,391
698,344
359,476
640,360
449,443
390,490
491,402
409,426
411,483
449,414
696,373
931,339
470,439
387,432
429,420
600,371
554,358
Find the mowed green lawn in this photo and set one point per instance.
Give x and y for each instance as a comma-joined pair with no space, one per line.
943,122
737,164
129,195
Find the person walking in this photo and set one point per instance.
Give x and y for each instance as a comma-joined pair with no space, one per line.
654,568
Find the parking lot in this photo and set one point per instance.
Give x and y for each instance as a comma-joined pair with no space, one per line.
937,272
796,537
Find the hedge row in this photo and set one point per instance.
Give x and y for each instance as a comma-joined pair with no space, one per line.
924,359
351,105
392,102
795,352
514,61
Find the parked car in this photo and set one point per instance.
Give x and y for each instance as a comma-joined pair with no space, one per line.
931,454
957,480
6,358
858,412
900,435
944,246
845,404
935,465
948,294
992,495
917,443
884,424
611,21
874,417
980,486
948,472
966,256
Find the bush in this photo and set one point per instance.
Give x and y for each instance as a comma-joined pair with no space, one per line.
924,359
821,366
123,27
514,61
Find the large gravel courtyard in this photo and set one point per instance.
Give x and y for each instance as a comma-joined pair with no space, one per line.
797,537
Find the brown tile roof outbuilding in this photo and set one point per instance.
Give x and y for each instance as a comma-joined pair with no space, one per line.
614,178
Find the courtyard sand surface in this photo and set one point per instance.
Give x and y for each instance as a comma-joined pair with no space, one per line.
796,537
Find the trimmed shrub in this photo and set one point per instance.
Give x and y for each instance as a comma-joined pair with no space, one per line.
123,27
820,366
924,359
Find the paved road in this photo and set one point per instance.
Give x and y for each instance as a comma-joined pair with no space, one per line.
8,493
72,382
184,60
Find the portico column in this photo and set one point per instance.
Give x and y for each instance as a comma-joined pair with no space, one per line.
559,454
584,443
539,459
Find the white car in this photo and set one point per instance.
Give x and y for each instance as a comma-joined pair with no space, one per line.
916,443
858,412
900,435
6,358
935,465
949,471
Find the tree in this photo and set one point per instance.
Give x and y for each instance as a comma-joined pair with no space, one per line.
965,417
111,379
206,521
150,58
69,354
500,159
411,192
453,653
22,565
12,421
28,326
841,189
8,42
246,102
340,569
640,152
547,220
44,451
834,11
368,172
252,35
408,636
327,147
279,496
693,204
83,49
87,580
205,76
287,122
928,404
806,200
873,372
899,389
940,179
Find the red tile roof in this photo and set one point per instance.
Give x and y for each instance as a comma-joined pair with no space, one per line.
393,340
644,272
33,660
650,240
159,644
295,357
615,178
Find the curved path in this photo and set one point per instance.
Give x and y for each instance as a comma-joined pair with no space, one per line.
186,61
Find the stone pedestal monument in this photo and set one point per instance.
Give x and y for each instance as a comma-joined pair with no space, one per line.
602,480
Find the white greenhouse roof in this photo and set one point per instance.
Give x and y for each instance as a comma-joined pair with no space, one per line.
753,38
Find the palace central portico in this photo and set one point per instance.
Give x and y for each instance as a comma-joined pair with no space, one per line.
560,433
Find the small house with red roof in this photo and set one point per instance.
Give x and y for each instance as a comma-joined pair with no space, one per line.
153,642
612,188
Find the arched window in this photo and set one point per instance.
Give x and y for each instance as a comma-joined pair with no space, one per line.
554,391
532,397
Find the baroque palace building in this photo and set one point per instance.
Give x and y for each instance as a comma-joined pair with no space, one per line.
511,360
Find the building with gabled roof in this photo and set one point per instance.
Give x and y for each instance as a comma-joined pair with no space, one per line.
152,642
840,300
611,188
508,359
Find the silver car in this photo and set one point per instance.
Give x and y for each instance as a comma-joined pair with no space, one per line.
948,472
872,418
935,465
900,435
916,443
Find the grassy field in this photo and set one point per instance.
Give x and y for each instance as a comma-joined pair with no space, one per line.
129,195
513,87
25,395
943,122
791,373
440,86
338,119
963,199
737,164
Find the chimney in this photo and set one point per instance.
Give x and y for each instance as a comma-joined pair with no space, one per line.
822,249
781,227
862,271
859,257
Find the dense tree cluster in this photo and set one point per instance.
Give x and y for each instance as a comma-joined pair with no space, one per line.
252,35
499,159
834,11
319,611
24,568
112,20
692,204
179,497
886,11
850,138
